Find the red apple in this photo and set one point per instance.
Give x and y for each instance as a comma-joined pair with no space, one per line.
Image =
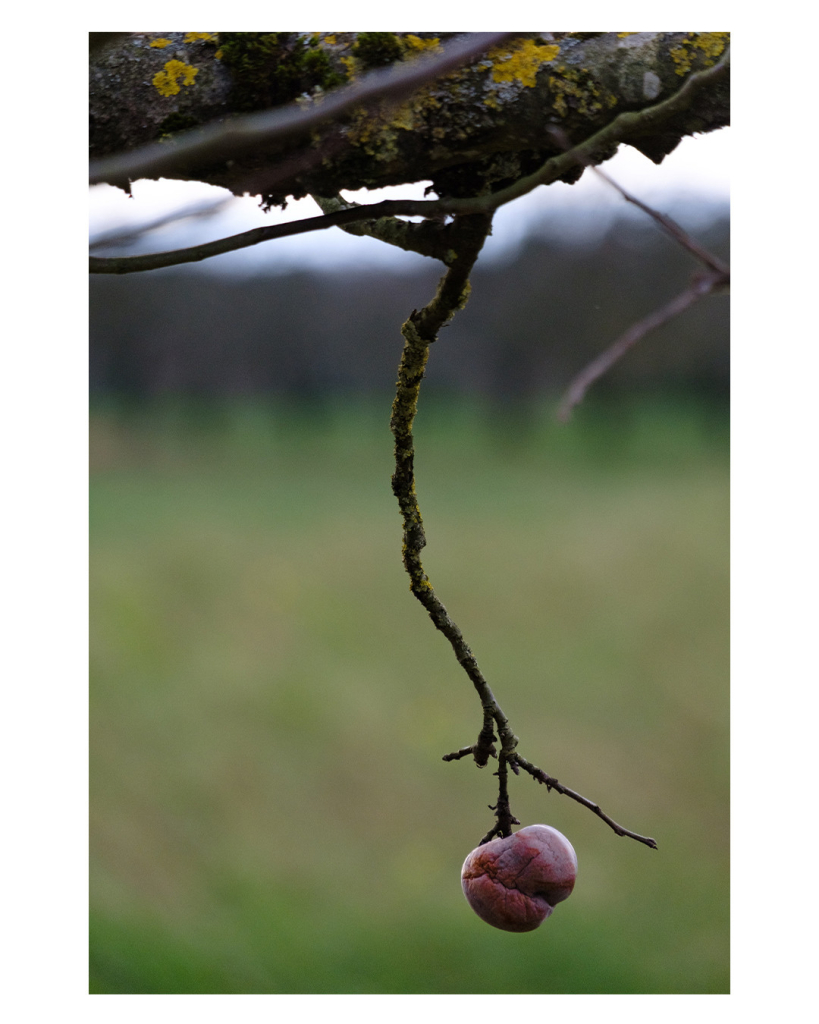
514,883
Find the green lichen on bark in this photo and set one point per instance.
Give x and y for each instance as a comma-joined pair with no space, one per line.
377,49
271,68
176,122
575,89
420,332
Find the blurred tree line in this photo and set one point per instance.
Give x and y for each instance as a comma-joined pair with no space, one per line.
531,324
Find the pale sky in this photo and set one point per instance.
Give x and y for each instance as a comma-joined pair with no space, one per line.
689,183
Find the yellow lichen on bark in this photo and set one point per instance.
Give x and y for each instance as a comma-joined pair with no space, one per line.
414,44
711,44
575,88
166,81
523,63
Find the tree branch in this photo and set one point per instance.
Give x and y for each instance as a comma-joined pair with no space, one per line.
420,331
121,236
703,284
717,279
197,253
671,228
605,141
429,238
231,139
502,809
552,783
474,130
99,40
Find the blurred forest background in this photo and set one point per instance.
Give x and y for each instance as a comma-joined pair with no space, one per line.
530,325
269,704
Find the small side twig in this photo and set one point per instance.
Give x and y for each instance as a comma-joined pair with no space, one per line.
670,227
552,784
428,238
485,746
456,755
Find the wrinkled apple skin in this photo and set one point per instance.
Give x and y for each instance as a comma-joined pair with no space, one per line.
514,883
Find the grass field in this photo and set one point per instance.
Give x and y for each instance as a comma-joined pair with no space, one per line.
269,705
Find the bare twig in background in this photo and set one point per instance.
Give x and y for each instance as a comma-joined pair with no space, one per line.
121,236
240,134
704,284
671,228
716,280
197,253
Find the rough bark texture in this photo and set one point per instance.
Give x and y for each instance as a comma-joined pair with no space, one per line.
476,129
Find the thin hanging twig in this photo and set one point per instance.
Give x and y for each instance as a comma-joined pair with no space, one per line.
420,331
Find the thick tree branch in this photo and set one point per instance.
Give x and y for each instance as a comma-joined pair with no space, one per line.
478,128
231,139
622,128
99,40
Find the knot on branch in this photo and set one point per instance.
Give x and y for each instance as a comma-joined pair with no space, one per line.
485,747
508,743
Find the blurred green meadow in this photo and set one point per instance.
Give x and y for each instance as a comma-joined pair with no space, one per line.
269,705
